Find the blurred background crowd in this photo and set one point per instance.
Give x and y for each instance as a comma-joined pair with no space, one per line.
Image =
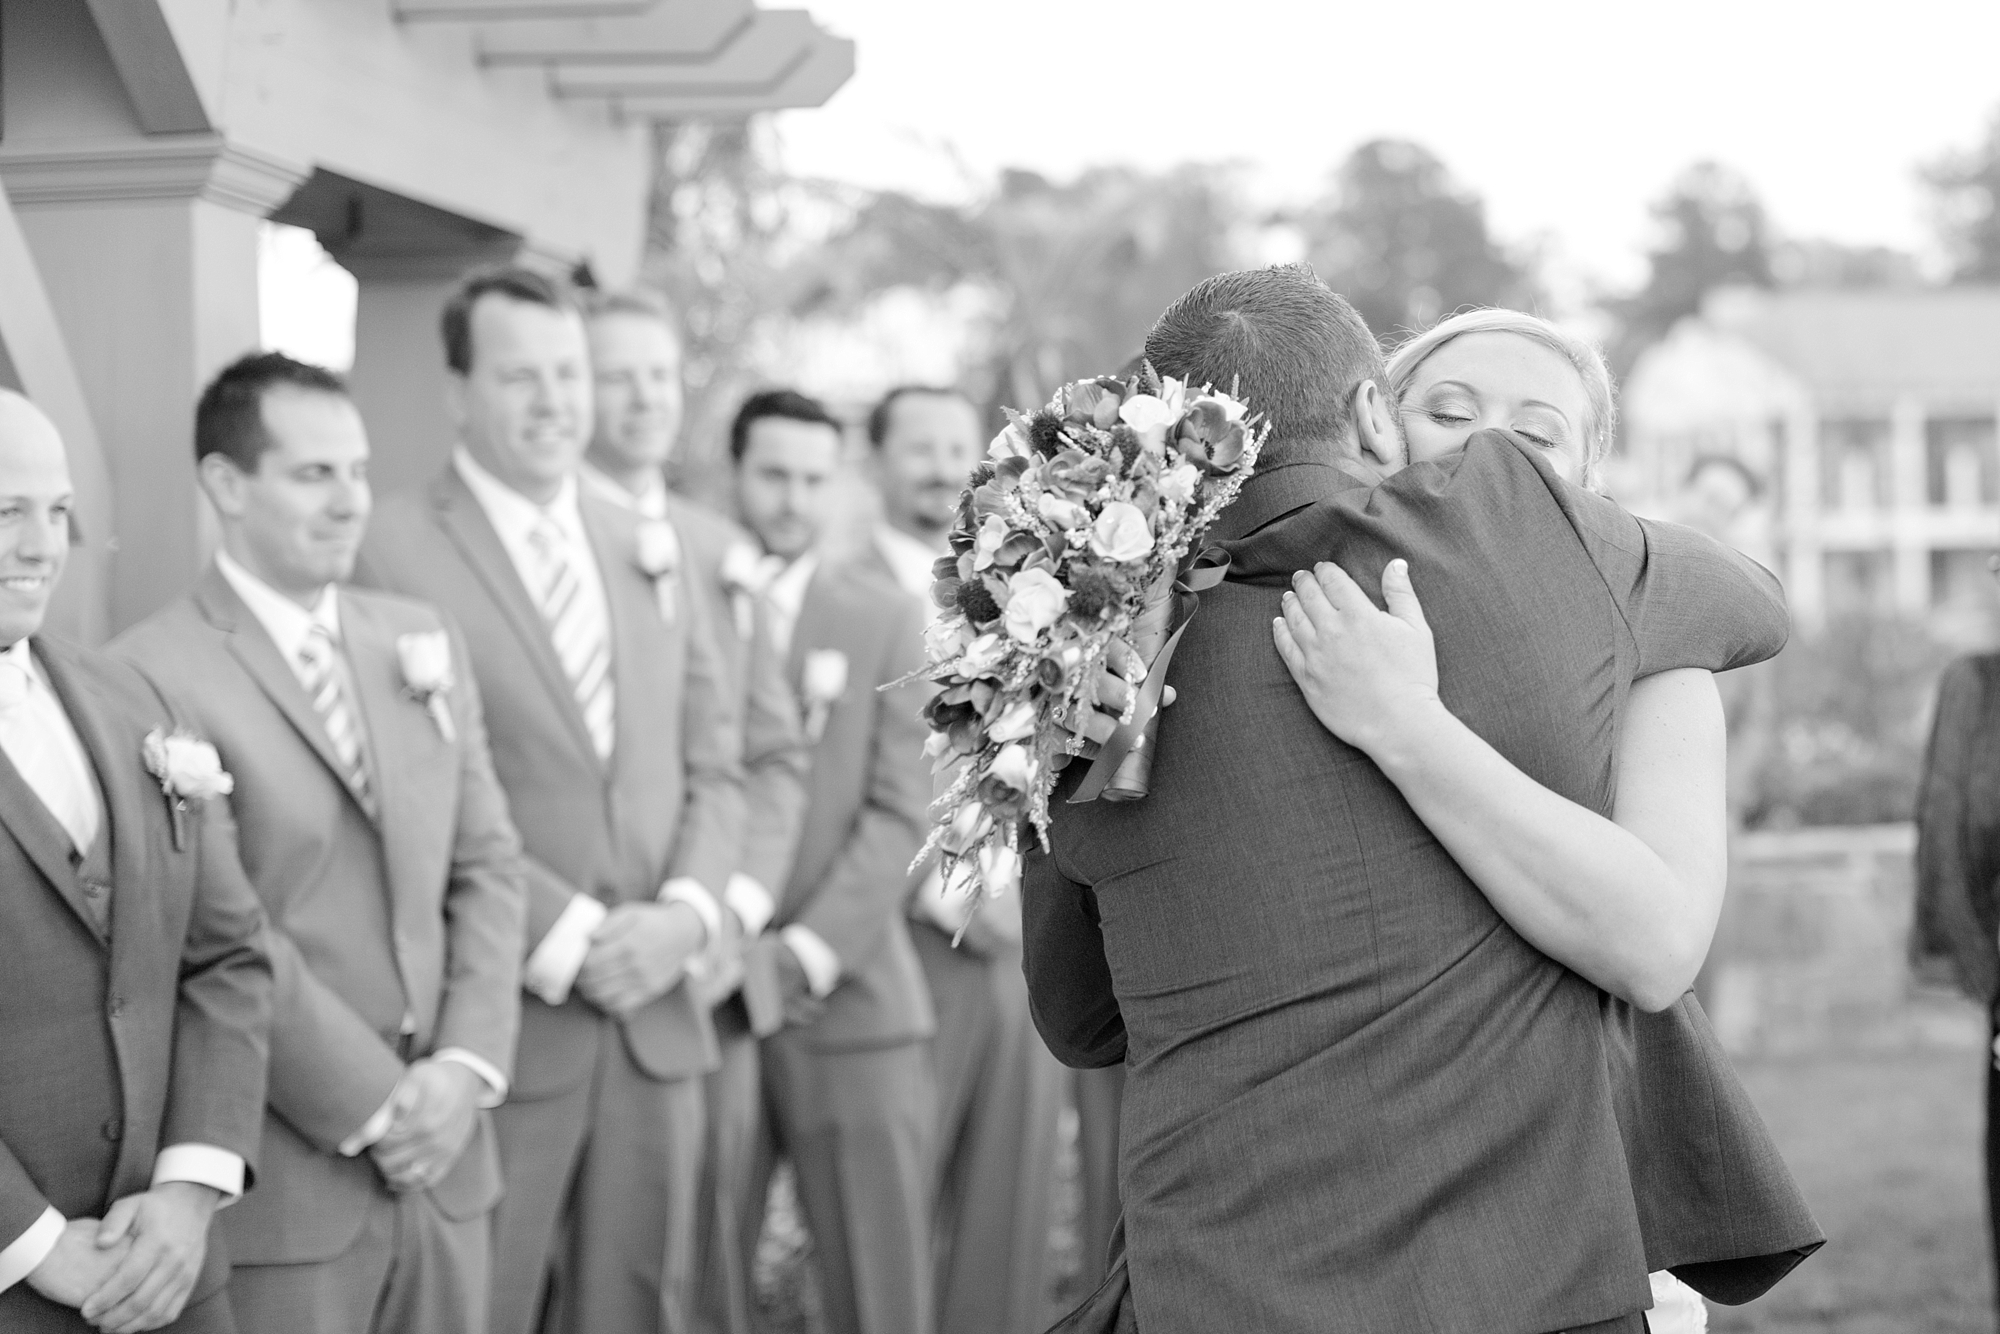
1816,381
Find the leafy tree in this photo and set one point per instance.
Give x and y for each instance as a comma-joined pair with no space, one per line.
1711,232
1402,241
1965,192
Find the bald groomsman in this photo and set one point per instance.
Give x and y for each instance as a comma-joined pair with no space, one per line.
378,839
1000,1092
138,993
850,1096
635,355
614,737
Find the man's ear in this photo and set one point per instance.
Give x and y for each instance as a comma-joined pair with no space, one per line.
222,481
455,390
1376,430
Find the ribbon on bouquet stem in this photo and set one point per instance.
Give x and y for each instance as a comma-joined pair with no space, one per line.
1123,768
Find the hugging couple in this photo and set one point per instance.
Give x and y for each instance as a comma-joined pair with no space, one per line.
1397,950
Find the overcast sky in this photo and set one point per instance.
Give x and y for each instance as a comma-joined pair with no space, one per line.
1567,117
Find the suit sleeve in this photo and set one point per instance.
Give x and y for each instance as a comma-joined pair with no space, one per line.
775,763
485,904
223,1019
1069,980
21,1203
867,883
710,841
1948,931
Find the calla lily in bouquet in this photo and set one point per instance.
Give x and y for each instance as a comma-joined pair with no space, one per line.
1073,534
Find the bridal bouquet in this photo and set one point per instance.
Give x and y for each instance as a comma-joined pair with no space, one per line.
1072,534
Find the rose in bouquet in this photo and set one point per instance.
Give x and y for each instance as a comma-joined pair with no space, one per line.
1072,535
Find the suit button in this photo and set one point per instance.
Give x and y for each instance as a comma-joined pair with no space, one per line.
112,1130
117,1006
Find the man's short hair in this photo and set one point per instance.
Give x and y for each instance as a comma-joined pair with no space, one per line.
788,404
229,418
882,415
508,280
631,301
1295,350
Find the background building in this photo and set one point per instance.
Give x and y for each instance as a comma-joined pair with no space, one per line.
1865,419
142,142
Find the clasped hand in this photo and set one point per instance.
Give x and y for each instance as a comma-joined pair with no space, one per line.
637,954
432,1115
1368,674
134,1270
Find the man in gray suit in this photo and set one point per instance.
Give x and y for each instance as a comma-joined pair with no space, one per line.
849,1090
138,991
999,1090
635,357
373,828
1356,1098
613,735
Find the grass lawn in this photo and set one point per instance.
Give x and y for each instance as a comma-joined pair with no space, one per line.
1888,1151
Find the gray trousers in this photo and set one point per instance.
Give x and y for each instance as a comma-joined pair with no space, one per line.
596,1232
729,1218
411,1271
1000,1097
858,1128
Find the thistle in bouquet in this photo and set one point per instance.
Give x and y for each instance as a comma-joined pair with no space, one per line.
1073,534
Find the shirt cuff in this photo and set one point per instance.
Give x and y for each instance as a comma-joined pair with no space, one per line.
686,889
815,956
489,1074
551,970
204,1165
24,1254
751,902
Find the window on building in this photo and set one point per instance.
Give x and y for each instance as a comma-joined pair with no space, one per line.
1854,463
1960,580
1959,457
1857,583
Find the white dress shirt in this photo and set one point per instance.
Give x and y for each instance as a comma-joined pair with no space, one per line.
39,739
291,627
551,968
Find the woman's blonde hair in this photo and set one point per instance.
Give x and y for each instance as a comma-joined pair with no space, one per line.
1583,355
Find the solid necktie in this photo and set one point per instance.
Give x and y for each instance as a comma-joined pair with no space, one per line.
330,702
579,634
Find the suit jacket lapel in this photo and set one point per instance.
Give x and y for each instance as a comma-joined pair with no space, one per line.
630,613
466,524
252,647
123,782
377,675
44,839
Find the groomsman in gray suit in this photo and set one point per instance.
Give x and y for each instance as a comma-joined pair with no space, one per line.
635,355
1000,1092
374,830
615,739
850,1095
138,993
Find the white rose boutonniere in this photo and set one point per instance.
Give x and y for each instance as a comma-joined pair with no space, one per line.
188,769
746,575
822,681
425,658
660,560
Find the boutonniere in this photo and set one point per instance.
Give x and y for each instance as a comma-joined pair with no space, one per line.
745,576
425,658
188,769
660,560
822,681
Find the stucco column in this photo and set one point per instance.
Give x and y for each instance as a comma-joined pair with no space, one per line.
148,251
1798,512
399,372
1909,509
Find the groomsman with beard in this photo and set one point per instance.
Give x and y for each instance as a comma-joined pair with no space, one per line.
635,355
614,738
849,1092
138,996
374,830
999,1090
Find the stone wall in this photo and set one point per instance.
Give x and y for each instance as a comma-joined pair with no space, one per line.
1811,955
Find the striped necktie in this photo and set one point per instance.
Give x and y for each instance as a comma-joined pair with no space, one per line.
577,628
320,656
